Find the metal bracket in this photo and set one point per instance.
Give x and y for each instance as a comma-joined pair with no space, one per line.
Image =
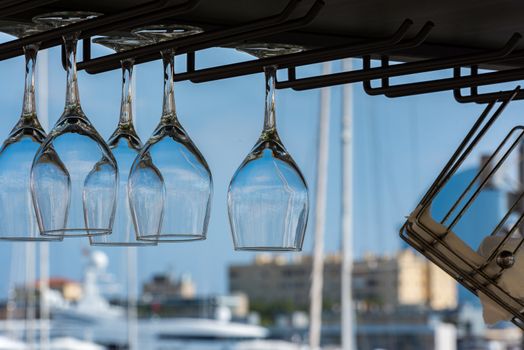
474,96
354,76
267,26
455,83
12,7
284,21
293,60
445,253
386,71
141,14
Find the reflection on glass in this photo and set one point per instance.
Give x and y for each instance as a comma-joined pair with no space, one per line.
268,197
17,216
74,175
187,178
125,145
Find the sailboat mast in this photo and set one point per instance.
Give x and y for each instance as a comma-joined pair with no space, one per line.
315,311
347,319
30,290
132,322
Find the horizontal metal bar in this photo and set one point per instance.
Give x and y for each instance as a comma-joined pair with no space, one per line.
484,97
270,25
108,62
9,8
453,83
293,60
148,53
7,3
88,28
371,73
144,17
457,81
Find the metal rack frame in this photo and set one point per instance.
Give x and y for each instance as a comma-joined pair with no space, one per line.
13,7
139,15
285,21
266,26
474,278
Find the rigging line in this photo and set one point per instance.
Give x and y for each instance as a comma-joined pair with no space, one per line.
362,176
516,182
386,162
382,178
371,181
413,150
513,183
377,188
311,165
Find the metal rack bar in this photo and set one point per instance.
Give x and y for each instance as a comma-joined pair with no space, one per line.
88,28
267,26
457,81
7,3
468,281
449,83
386,70
284,21
507,236
485,97
296,59
437,249
474,96
485,181
463,150
472,139
9,8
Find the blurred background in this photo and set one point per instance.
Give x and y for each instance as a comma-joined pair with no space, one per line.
204,295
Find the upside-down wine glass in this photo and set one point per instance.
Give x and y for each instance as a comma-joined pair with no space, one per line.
125,145
74,174
267,199
17,215
187,178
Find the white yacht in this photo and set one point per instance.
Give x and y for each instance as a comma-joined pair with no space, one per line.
93,319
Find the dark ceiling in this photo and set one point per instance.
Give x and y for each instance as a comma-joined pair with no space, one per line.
460,26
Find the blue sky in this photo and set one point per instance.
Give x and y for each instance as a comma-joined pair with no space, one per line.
399,146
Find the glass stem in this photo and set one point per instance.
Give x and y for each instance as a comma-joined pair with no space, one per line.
29,106
270,128
126,108
169,108
72,96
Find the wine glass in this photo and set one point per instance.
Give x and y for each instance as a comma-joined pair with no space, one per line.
74,175
17,215
125,145
187,178
267,199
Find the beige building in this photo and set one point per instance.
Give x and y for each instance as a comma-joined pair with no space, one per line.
378,282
